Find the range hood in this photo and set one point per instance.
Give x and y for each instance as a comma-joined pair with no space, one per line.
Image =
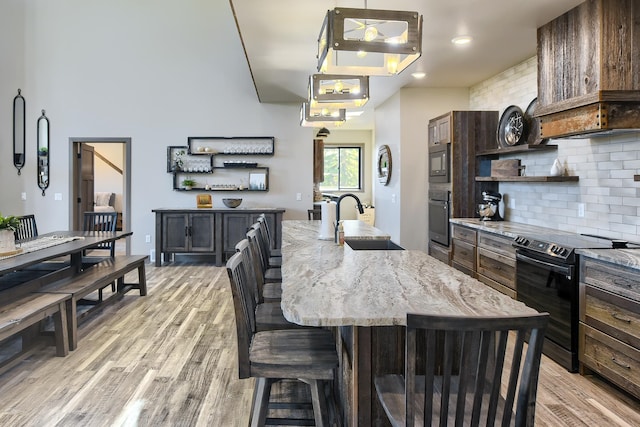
589,71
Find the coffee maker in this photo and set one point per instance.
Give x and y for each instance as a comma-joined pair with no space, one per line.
490,209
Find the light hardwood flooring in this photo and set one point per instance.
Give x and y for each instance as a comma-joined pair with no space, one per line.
169,359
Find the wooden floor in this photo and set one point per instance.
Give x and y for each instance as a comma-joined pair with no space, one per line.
169,359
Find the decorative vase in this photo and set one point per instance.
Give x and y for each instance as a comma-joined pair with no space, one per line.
556,168
7,241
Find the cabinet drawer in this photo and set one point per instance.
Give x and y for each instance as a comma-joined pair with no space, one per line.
611,358
495,243
613,314
498,267
616,279
439,252
464,254
464,233
497,286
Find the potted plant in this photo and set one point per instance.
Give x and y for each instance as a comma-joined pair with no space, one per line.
42,151
188,183
178,162
8,225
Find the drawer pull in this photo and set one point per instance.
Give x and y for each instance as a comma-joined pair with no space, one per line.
621,318
621,364
622,282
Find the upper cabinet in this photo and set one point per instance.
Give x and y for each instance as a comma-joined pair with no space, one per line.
440,130
589,69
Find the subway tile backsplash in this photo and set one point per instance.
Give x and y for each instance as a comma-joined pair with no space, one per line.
605,165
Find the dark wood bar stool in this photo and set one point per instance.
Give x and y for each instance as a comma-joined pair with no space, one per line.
262,219
306,355
469,392
269,273
266,292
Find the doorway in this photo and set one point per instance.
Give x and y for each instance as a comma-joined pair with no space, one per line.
100,167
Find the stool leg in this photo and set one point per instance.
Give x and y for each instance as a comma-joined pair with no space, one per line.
320,409
260,404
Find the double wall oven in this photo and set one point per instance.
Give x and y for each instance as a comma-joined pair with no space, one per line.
439,205
547,281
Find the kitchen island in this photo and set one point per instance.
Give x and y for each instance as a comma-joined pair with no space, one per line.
366,295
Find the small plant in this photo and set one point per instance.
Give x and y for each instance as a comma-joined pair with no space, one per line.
178,162
9,223
188,183
42,151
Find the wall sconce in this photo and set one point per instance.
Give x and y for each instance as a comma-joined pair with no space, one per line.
321,116
338,91
368,41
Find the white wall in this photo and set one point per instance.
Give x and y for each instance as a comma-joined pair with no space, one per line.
605,167
401,123
156,72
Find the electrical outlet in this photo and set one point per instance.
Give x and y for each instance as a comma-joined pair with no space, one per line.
512,203
393,198
147,238
23,196
298,196
581,210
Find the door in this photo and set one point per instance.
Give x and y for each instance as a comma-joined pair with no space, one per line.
201,232
175,235
84,201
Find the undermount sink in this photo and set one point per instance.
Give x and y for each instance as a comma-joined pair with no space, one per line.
373,245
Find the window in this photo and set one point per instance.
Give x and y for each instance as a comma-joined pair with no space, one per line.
342,168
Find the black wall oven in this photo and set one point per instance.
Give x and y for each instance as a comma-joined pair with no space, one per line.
439,216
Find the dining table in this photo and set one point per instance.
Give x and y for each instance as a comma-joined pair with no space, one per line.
364,296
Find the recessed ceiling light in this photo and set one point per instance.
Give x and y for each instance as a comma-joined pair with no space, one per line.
419,75
461,40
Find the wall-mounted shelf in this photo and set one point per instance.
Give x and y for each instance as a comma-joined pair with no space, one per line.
236,145
527,178
525,148
225,179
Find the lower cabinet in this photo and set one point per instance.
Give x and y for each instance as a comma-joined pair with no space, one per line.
609,335
496,263
463,247
440,252
212,232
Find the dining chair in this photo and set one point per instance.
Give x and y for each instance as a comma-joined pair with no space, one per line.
270,273
99,221
495,371
275,253
307,355
268,314
28,228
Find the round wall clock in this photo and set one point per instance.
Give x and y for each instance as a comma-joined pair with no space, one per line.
384,164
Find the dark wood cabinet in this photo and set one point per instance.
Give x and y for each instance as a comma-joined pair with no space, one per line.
212,232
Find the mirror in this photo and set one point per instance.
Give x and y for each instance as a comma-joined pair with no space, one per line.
18,131
384,164
43,152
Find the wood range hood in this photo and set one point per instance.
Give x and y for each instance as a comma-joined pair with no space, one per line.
589,70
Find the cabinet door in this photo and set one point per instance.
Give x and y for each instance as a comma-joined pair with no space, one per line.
175,236
235,226
444,130
202,232
432,130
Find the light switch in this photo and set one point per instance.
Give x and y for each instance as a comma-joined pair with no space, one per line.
57,196
298,196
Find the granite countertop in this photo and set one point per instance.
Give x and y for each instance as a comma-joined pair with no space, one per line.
329,285
505,228
624,257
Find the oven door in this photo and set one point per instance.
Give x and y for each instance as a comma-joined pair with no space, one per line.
551,287
439,221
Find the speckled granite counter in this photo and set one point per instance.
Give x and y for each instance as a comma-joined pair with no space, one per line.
505,228
624,257
328,285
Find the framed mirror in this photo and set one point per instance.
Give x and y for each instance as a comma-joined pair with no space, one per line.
384,164
19,127
43,152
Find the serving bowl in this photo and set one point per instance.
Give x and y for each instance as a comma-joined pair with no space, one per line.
232,203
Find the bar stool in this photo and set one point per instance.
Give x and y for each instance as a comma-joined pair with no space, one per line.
269,273
306,355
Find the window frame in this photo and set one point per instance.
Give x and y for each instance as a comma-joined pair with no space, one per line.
361,166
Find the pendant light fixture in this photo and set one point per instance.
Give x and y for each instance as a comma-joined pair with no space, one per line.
368,41
339,91
321,116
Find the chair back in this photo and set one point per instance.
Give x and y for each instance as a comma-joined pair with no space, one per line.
244,311
250,266
256,243
469,392
264,226
27,229
101,221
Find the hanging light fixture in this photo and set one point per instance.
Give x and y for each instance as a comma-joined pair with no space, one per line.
339,91
321,116
323,133
368,41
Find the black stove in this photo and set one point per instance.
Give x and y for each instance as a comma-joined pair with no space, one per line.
561,247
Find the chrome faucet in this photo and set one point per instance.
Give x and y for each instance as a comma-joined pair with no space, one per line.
360,209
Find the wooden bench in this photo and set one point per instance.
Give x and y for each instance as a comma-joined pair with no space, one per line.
93,279
21,313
